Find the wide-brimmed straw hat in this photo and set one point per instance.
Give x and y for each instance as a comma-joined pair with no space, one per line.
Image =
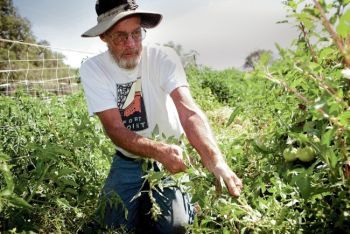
109,12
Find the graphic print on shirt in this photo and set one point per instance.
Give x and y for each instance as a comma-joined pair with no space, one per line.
131,105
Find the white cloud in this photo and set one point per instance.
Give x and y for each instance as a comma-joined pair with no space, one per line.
224,32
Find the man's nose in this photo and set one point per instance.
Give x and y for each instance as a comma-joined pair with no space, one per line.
130,41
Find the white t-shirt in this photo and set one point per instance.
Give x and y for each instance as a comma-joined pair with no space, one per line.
141,95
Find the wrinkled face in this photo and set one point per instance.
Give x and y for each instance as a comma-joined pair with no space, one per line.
124,41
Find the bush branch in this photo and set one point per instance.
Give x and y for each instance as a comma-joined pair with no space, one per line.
338,41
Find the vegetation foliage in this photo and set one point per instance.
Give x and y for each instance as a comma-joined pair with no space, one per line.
284,128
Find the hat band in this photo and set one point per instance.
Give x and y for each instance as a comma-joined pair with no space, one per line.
114,11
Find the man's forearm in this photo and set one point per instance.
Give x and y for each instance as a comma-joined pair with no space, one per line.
169,155
136,144
201,138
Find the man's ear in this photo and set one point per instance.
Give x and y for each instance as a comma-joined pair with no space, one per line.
103,37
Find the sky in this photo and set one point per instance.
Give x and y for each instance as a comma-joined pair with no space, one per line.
223,32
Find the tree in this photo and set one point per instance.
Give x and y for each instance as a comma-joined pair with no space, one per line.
187,58
253,58
12,25
176,47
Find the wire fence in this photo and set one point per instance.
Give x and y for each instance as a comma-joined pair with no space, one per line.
36,69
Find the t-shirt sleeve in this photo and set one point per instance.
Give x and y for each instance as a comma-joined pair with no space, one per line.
98,94
172,73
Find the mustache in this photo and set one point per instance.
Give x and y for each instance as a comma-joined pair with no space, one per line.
131,51
134,51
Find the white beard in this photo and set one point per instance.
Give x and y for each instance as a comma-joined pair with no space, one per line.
128,64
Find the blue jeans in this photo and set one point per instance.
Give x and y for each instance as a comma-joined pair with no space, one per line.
118,209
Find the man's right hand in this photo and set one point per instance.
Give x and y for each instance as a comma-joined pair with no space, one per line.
172,159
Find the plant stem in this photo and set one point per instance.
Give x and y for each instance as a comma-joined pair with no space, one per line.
306,37
338,41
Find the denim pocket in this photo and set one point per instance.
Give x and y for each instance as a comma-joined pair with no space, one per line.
124,175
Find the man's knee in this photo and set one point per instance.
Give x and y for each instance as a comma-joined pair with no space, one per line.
177,212
171,226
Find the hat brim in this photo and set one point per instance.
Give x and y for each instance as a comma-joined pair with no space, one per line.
148,20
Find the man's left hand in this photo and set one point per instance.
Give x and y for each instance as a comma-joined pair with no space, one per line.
232,182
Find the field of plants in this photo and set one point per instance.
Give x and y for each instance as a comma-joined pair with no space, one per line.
284,128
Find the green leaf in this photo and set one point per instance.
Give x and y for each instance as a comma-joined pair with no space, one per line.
18,201
292,4
71,191
343,28
62,202
335,109
4,168
326,53
306,20
282,22
57,149
6,193
296,83
155,176
163,135
304,184
4,157
314,66
301,137
327,137
260,147
155,131
345,118
331,158
70,182
10,186
233,116
66,171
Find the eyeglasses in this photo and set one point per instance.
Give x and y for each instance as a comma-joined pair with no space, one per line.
121,37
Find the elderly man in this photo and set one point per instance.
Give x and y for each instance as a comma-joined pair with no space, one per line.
132,89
